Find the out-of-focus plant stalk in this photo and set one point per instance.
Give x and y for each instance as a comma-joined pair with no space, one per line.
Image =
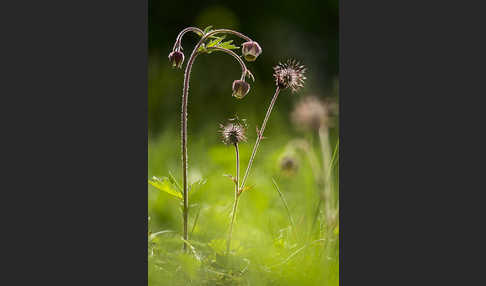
326,167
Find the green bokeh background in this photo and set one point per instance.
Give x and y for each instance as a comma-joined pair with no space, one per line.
303,30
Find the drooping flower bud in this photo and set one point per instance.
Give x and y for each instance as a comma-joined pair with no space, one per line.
251,50
240,88
176,58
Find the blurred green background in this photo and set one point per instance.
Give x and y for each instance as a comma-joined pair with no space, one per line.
303,30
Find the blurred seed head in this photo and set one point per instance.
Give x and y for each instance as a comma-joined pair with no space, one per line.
289,75
251,50
176,58
289,165
240,88
311,113
233,133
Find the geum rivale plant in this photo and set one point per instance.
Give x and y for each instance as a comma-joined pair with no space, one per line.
210,41
288,75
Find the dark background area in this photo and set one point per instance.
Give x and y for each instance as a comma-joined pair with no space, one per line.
304,30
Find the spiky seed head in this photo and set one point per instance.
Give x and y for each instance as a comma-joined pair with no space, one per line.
233,133
176,58
289,75
240,88
251,50
311,113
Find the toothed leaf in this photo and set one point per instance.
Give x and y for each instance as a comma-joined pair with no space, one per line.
228,45
164,184
208,29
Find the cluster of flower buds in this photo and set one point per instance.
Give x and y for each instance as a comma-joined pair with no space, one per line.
176,58
251,50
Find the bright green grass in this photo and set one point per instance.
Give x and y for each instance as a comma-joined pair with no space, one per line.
266,250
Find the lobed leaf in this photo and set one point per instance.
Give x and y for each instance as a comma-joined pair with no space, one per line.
207,29
163,184
228,45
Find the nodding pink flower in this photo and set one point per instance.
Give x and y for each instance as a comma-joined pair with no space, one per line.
251,50
240,88
176,58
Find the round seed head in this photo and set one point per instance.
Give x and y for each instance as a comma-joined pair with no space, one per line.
240,88
311,114
176,58
233,133
289,75
251,50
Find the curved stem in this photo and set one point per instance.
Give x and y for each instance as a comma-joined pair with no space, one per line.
259,137
181,34
230,52
235,205
227,31
185,94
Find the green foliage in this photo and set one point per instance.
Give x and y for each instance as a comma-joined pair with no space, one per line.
217,41
267,248
165,184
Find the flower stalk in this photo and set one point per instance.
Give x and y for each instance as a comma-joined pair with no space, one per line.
235,203
260,136
289,75
185,93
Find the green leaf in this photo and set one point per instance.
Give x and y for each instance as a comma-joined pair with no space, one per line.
202,49
246,188
228,45
208,29
174,182
163,184
215,42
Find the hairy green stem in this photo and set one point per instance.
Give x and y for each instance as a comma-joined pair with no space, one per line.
235,204
185,94
177,43
259,137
